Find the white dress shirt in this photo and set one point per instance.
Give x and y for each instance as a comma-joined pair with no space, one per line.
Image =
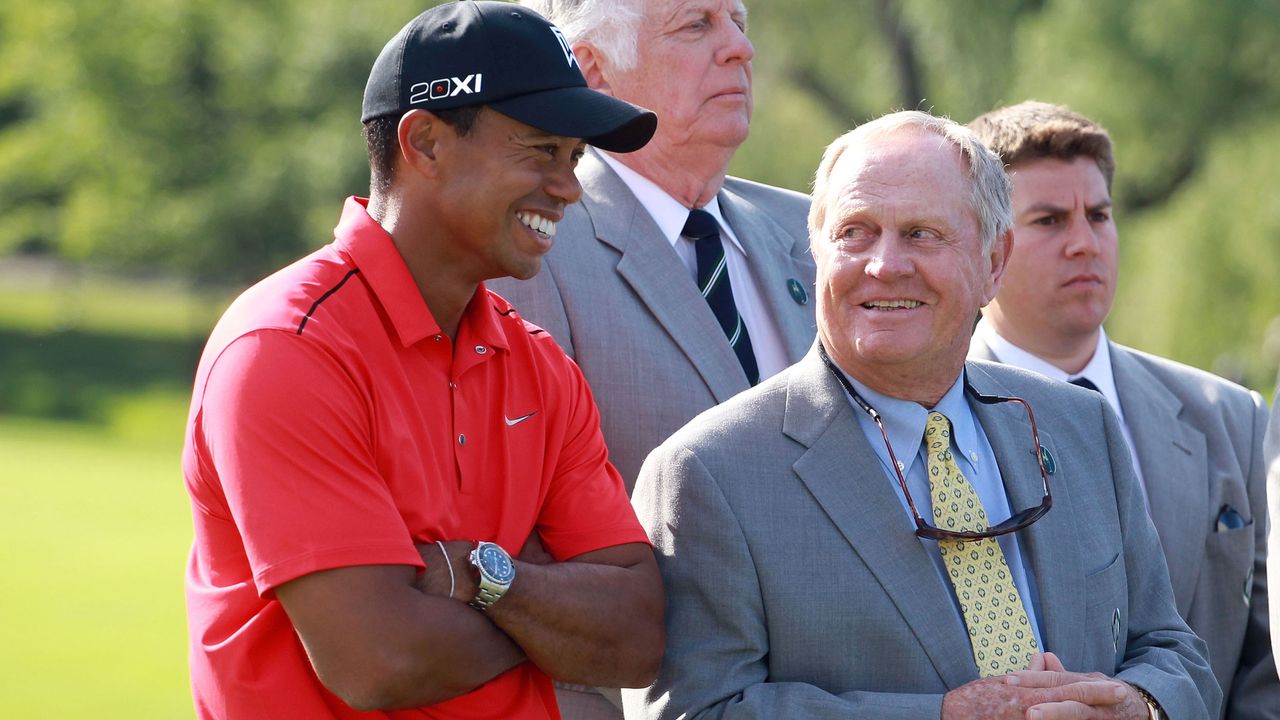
670,215
1098,372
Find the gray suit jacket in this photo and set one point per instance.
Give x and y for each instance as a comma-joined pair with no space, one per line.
796,587
616,296
1198,440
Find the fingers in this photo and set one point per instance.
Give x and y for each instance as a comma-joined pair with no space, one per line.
1061,711
1079,700
1051,662
1040,678
1049,678
1096,692
1045,661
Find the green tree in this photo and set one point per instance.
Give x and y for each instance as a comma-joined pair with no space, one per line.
1189,91
213,139
210,138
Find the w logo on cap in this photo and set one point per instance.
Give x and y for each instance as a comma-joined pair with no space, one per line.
564,45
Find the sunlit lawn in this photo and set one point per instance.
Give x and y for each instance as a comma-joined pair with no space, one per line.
93,540
94,521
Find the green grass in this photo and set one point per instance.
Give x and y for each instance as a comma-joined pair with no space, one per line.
95,372
94,531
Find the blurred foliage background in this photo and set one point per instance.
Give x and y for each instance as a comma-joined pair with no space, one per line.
211,141
158,155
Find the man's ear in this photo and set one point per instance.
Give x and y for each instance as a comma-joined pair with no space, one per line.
594,67
420,134
999,257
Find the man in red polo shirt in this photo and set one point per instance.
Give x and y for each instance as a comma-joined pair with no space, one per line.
403,505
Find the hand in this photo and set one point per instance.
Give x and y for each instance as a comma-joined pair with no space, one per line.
1085,695
988,698
1043,693
435,580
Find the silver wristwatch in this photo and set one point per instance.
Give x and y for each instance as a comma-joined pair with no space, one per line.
496,573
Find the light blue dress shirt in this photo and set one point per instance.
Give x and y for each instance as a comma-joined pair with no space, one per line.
904,423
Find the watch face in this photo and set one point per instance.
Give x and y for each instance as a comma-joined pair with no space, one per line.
496,564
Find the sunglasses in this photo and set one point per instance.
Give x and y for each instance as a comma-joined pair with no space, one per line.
1018,521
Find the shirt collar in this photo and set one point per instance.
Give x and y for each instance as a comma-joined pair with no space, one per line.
904,420
368,246
1097,371
667,212
480,324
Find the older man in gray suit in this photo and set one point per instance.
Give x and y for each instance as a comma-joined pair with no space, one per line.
671,285
803,580
1196,439
625,290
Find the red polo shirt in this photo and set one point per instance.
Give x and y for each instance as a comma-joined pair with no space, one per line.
333,424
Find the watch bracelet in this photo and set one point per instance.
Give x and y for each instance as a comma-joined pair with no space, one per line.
484,599
1153,706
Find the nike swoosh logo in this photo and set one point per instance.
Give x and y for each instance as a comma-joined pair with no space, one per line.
516,421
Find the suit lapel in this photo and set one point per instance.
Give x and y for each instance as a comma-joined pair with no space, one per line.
1049,543
843,474
1174,460
652,269
769,248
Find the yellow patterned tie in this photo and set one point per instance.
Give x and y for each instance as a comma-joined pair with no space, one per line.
999,632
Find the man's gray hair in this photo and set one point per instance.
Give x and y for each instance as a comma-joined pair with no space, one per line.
991,195
609,25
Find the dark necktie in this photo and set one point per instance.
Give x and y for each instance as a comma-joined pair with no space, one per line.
1084,382
713,281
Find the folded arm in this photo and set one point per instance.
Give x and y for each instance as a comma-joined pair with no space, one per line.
595,619
378,642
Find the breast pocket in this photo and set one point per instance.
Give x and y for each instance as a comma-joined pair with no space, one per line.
1106,616
1229,558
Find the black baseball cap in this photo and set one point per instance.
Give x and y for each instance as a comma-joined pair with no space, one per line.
508,57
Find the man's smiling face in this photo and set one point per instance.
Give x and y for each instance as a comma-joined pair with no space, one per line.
901,267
